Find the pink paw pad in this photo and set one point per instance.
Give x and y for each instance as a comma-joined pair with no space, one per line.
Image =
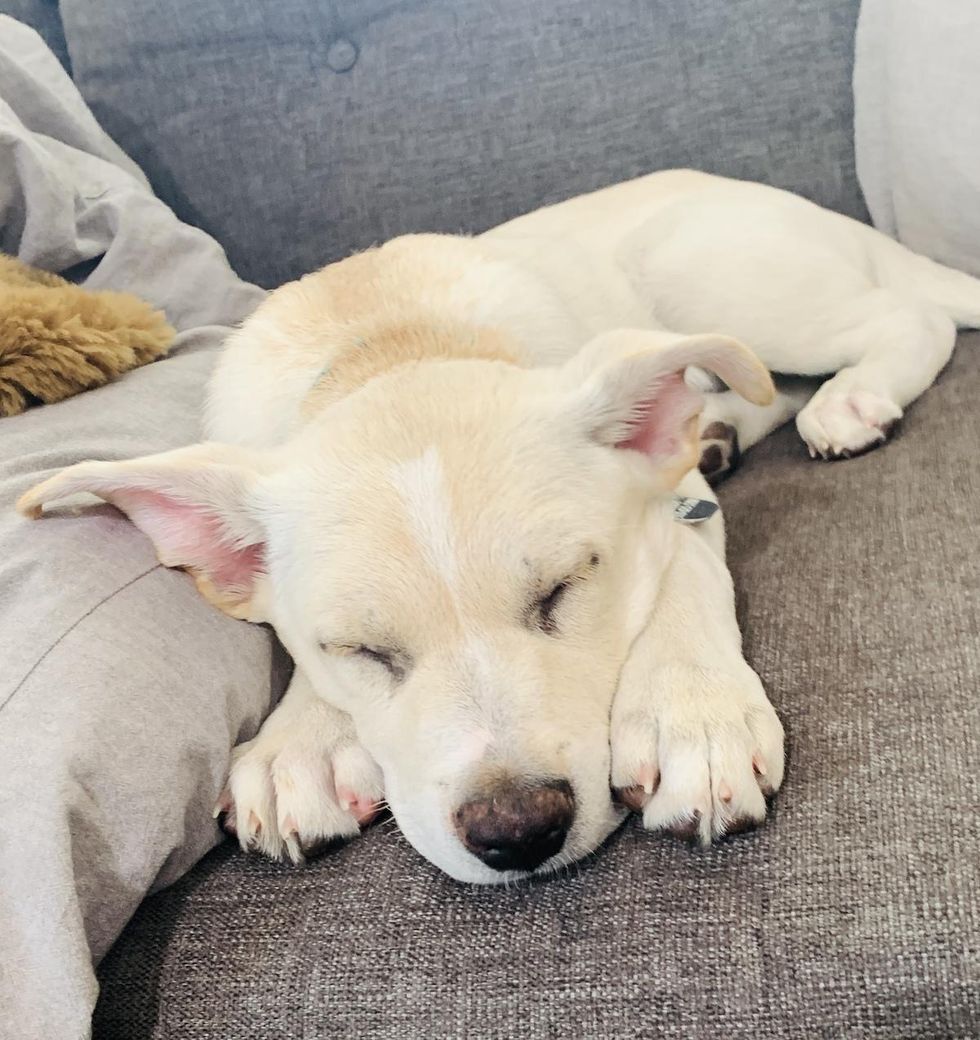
363,809
224,807
637,795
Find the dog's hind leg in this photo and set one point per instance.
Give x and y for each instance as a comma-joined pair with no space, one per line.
899,350
730,425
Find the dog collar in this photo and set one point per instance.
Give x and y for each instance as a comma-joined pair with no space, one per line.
693,510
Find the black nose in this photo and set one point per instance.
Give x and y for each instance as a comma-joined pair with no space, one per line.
517,826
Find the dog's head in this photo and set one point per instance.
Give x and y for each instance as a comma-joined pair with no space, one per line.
459,554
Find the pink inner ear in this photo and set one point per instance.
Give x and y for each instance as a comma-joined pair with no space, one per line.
187,535
660,419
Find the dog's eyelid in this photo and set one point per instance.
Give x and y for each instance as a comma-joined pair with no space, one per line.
575,575
396,661
542,614
353,646
543,607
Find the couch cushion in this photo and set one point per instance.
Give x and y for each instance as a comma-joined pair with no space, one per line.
298,131
853,913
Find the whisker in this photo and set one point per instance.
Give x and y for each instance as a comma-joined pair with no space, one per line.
389,826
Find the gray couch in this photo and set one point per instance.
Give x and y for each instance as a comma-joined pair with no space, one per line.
295,131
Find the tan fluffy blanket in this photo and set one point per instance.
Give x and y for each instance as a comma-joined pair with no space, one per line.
57,339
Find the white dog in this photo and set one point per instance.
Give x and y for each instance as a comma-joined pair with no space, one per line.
445,471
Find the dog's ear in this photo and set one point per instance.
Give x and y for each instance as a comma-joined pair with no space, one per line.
632,393
197,505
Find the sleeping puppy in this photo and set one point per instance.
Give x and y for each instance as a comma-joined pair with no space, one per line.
445,470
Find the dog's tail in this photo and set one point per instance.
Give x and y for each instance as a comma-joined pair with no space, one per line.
956,293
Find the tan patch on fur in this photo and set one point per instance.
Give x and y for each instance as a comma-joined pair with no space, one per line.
375,310
686,458
57,339
376,302
235,606
389,346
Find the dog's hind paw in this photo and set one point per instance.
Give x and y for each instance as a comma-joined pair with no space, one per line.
720,453
294,790
838,424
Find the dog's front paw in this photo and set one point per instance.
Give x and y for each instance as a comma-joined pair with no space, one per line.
839,423
298,787
698,752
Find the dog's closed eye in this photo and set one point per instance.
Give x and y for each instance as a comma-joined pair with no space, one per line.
543,614
547,606
395,662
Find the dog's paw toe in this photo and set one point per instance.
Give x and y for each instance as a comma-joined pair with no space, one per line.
293,799
637,786
841,424
699,761
720,453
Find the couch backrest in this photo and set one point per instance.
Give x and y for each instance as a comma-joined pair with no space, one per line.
296,131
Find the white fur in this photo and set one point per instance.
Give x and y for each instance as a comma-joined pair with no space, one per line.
425,508
421,484
286,786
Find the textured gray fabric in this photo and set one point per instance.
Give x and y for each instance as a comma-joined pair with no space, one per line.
917,132
120,690
253,123
854,912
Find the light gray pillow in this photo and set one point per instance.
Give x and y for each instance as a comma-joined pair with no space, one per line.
121,690
917,124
